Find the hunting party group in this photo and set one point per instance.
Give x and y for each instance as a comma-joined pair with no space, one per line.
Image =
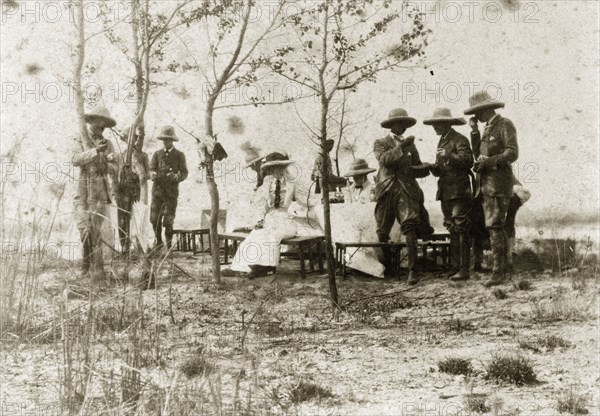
478,192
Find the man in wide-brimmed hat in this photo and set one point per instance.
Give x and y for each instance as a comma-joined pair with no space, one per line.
494,152
361,187
397,193
324,158
259,253
98,171
167,169
453,162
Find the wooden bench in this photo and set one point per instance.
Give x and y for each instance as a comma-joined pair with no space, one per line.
306,248
192,240
439,245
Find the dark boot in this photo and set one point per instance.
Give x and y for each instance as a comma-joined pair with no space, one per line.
148,277
388,261
86,259
498,243
510,269
465,258
169,236
477,255
454,254
411,247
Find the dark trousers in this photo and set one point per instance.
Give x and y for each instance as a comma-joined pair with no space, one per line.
162,214
125,206
394,205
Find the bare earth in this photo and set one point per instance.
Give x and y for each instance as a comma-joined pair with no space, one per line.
259,339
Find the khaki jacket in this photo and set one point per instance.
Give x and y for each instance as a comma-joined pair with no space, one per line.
454,168
499,143
395,167
97,179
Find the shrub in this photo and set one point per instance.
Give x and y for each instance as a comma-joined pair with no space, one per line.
455,366
510,368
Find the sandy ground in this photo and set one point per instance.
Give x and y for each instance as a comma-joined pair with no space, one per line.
378,356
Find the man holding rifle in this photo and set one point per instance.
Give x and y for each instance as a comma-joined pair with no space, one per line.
98,171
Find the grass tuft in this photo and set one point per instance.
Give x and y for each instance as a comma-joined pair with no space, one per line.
477,403
522,285
511,368
570,401
196,366
305,391
455,366
499,293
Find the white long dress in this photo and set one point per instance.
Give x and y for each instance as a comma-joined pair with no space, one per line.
262,246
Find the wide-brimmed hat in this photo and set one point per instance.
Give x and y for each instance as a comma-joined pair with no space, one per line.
167,132
481,100
359,167
398,115
276,159
100,113
443,115
253,154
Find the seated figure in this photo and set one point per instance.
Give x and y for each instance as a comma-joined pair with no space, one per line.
361,188
280,201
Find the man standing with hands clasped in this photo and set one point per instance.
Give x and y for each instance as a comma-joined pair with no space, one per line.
494,152
167,169
398,196
452,166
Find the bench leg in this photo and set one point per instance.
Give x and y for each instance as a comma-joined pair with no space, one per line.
301,255
226,251
344,263
311,257
320,256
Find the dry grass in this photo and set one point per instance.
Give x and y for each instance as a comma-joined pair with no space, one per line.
548,343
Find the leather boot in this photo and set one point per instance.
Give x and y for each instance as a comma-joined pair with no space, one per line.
411,247
510,269
148,277
465,258
169,236
477,255
86,259
454,254
499,252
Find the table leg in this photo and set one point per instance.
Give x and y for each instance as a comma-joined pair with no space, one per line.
226,251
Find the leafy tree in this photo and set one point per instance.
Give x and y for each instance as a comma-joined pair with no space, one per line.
335,47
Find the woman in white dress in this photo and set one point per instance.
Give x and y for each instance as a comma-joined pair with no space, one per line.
278,200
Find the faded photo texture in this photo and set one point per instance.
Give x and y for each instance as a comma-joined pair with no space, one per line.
540,58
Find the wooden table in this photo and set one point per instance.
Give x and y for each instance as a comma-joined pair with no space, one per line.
306,247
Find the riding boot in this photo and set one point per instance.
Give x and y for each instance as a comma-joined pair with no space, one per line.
465,258
477,254
169,236
454,254
411,247
509,255
86,259
499,254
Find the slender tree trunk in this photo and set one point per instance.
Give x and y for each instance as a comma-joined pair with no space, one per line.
213,191
79,100
326,207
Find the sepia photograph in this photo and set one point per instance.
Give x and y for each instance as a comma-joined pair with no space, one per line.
299,207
